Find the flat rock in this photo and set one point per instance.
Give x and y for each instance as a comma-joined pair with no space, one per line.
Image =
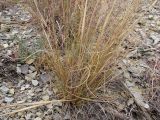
4,89
155,38
18,70
8,99
35,82
45,97
45,77
28,116
38,118
24,69
11,91
130,102
9,52
5,45
30,76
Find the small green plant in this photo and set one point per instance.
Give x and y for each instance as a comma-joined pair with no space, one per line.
82,40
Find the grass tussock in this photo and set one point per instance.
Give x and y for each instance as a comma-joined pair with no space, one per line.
82,40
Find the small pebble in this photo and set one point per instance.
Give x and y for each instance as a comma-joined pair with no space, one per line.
9,52
30,76
49,106
11,91
27,86
28,116
11,44
38,113
4,89
38,118
19,70
151,17
30,92
23,88
146,106
45,98
5,45
30,71
130,102
18,65
8,99
5,28
158,23
20,113
24,69
21,119
35,82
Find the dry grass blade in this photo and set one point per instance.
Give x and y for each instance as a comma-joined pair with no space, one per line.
30,106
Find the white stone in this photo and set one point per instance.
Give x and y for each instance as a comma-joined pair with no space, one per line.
38,118
4,89
18,70
11,91
8,99
45,98
30,76
24,69
151,17
23,88
9,52
35,82
5,45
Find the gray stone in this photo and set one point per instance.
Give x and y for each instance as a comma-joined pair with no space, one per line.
27,86
4,89
28,116
151,17
18,70
155,38
35,82
30,76
23,88
24,69
11,91
130,102
9,52
11,44
45,77
57,117
45,97
38,118
8,99
5,45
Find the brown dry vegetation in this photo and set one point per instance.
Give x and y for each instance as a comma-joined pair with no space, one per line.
82,41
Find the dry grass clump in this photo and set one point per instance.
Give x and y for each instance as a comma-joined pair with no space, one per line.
82,40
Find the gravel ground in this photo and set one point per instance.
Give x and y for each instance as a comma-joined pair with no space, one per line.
138,96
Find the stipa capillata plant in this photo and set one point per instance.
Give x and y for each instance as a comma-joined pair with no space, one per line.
82,40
